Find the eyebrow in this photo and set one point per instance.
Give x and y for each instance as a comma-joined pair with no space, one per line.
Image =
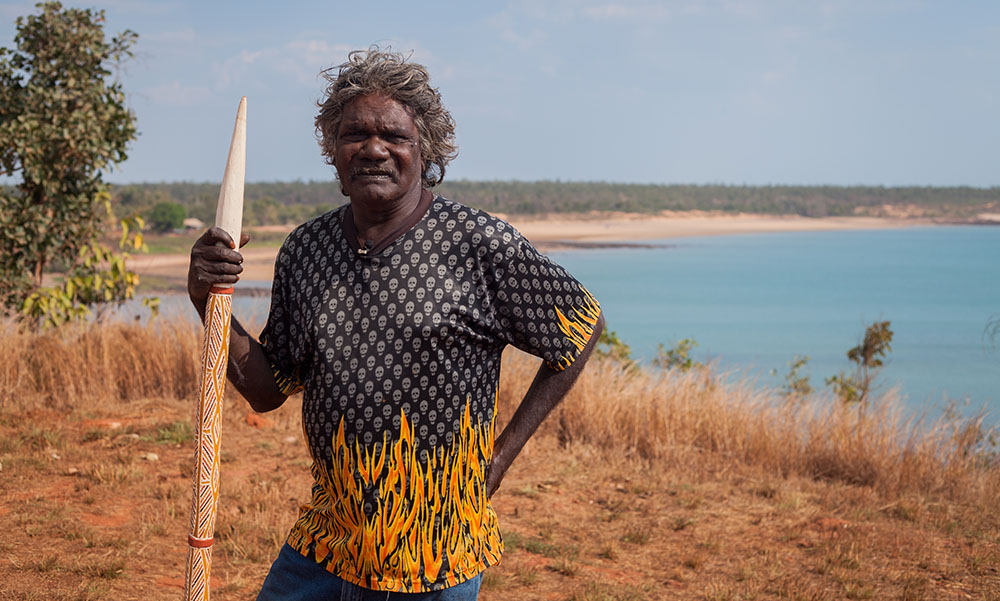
357,128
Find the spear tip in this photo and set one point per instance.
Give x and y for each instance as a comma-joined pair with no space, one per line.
229,214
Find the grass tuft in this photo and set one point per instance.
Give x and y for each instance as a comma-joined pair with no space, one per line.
673,415
174,433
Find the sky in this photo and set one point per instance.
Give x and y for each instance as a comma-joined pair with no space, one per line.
842,92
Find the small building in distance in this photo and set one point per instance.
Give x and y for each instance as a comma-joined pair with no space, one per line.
193,223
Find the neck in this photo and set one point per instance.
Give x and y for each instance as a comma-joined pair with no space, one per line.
374,221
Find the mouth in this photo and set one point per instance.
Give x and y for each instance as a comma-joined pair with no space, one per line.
372,175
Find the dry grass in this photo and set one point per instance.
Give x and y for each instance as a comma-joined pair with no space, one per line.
656,416
695,415
116,361
642,486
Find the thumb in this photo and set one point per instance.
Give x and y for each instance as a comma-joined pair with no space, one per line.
244,238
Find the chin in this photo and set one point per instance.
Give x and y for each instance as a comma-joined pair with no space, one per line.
373,194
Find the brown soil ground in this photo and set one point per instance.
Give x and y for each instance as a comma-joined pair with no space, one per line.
94,504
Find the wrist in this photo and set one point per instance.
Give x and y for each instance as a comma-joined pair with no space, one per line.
199,302
499,460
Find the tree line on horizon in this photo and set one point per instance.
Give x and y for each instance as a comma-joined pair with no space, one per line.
273,203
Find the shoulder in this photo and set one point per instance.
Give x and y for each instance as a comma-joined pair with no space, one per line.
309,241
475,226
316,230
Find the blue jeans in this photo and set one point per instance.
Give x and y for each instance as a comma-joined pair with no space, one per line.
296,578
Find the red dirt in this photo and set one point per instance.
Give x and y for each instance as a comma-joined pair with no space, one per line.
578,524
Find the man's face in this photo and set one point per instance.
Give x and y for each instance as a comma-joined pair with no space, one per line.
377,153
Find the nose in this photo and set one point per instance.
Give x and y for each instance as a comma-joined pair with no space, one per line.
374,147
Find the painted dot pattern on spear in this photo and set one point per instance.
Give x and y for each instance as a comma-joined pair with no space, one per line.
398,352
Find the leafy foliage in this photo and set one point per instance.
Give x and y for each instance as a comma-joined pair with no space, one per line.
992,332
294,202
277,203
610,346
63,121
856,387
797,385
167,216
677,356
99,277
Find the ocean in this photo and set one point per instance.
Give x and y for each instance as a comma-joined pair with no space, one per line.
752,302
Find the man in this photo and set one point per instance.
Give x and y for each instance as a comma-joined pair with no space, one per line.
391,313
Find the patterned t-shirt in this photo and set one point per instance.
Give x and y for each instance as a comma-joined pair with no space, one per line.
398,350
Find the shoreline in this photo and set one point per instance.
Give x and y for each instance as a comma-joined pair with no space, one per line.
563,232
631,229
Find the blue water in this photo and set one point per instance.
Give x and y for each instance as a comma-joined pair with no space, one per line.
753,302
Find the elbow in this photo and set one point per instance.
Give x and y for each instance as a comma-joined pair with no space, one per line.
265,397
266,402
262,394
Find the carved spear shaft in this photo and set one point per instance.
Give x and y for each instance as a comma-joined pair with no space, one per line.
215,353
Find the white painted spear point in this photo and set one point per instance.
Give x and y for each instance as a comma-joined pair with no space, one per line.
229,214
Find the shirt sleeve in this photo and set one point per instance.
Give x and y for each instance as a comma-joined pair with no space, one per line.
282,338
539,307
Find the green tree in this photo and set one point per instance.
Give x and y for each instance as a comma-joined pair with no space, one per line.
677,357
856,387
610,346
63,122
797,385
167,216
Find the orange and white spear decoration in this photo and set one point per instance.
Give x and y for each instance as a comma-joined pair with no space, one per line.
215,354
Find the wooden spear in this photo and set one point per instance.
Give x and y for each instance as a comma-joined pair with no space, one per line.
215,353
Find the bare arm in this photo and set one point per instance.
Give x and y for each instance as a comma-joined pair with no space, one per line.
546,391
249,370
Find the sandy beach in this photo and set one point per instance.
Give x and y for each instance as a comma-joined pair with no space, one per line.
601,228
578,231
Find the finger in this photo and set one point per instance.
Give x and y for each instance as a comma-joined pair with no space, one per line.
217,235
244,238
217,253
223,268
211,279
213,238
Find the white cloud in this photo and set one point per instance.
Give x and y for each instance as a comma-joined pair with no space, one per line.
175,93
312,55
301,61
774,76
519,12
743,8
298,60
522,38
181,36
625,10
136,7
838,8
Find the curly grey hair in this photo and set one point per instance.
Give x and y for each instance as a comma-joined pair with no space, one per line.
376,71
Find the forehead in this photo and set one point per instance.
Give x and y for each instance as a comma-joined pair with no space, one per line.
379,112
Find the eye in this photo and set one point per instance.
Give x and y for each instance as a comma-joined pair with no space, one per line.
397,139
353,138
